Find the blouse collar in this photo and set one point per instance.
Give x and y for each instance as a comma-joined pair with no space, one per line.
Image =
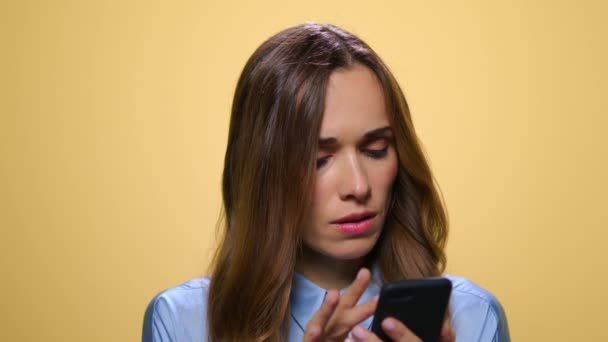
306,297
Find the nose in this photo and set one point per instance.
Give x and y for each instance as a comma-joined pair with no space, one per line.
355,183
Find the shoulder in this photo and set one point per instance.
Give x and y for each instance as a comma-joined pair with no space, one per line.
178,313
476,314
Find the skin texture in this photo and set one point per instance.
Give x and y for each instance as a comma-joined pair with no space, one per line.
354,174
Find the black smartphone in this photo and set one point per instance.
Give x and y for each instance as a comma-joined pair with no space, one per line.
420,304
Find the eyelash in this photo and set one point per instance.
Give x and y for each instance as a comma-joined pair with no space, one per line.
375,154
378,154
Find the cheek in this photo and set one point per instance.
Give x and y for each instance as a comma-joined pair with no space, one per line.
321,197
384,176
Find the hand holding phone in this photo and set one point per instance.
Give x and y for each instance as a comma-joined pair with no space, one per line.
420,304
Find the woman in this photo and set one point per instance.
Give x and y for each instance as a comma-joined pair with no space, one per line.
325,186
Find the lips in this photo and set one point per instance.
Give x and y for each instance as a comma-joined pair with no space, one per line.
356,223
355,217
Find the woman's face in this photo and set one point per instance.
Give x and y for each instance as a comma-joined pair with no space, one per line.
356,167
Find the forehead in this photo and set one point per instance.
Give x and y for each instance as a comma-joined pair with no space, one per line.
354,102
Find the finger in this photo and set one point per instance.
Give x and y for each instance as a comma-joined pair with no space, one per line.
359,313
312,333
356,289
447,333
398,332
317,323
360,334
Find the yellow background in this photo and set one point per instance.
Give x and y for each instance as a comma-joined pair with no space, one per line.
114,121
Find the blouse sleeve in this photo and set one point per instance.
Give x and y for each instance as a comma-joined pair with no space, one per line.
476,314
159,325
178,313
502,327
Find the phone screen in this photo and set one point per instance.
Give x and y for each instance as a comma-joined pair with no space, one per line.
420,304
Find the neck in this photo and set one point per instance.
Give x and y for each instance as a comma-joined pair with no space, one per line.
328,272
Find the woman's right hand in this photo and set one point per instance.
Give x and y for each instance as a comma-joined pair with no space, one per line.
339,314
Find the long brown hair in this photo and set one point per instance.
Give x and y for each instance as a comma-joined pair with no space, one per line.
269,175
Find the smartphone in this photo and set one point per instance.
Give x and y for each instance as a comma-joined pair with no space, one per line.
420,304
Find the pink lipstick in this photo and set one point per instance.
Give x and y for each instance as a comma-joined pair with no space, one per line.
356,223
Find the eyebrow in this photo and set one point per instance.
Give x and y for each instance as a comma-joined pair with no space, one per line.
375,133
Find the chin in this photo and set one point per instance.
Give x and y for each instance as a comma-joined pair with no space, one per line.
350,249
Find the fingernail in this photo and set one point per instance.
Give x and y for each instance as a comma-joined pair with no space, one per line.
376,297
331,297
360,274
388,324
359,332
314,332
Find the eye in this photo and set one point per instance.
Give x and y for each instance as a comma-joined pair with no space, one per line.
377,153
377,149
322,161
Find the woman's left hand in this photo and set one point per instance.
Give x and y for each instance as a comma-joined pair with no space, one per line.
398,332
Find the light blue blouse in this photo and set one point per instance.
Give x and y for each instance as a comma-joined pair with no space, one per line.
180,313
